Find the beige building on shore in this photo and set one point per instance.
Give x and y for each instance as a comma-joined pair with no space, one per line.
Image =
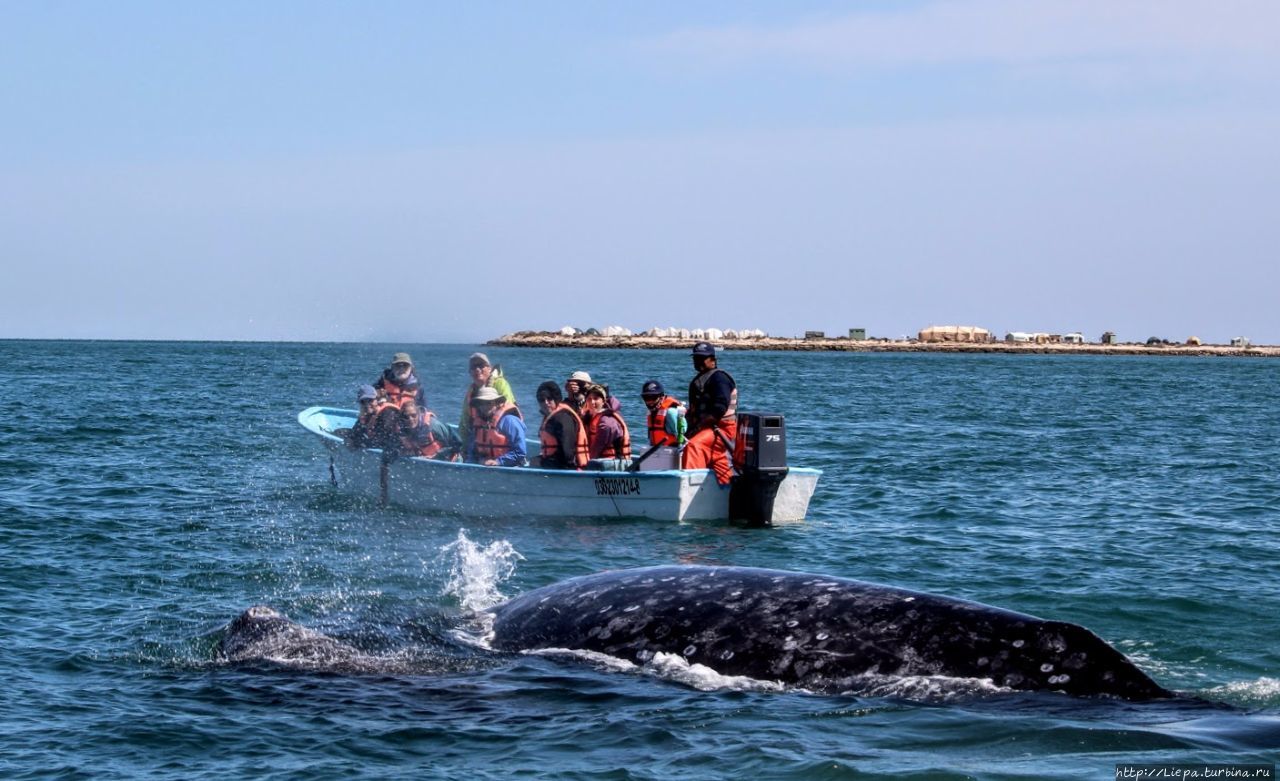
955,333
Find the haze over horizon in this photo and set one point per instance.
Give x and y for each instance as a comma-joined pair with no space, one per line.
421,172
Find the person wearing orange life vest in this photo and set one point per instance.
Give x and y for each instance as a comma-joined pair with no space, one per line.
575,391
666,415
482,373
563,434
497,434
712,415
607,434
399,382
362,433
424,434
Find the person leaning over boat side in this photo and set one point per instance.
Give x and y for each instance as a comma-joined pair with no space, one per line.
399,382
483,374
497,433
362,433
424,434
575,390
607,434
712,415
666,415
563,434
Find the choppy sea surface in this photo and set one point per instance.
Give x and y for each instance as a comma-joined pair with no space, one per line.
149,492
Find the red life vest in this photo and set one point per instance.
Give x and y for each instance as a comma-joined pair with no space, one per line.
621,449
491,443
657,422
551,446
412,442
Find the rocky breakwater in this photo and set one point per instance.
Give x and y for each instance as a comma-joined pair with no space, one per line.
549,339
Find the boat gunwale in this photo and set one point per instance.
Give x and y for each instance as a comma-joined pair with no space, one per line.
667,474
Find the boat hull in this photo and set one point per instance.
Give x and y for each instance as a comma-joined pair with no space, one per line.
485,491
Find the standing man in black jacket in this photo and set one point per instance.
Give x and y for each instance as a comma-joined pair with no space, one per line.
712,416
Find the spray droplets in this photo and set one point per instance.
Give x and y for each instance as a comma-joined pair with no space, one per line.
475,571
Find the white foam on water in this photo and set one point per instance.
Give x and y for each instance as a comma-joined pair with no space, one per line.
1263,691
476,571
923,688
668,667
676,668
596,658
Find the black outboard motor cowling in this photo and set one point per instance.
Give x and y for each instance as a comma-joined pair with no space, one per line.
760,456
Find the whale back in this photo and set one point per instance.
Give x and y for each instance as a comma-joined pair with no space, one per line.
261,634
821,633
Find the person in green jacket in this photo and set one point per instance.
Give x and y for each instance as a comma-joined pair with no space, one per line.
483,374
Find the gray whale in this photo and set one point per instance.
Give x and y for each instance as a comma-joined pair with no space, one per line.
261,634
822,634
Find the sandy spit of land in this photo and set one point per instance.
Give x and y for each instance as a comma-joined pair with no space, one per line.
543,339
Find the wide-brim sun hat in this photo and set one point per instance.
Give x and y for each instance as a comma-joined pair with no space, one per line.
486,394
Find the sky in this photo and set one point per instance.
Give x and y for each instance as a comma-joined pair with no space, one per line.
450,172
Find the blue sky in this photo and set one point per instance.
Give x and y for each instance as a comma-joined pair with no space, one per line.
453,171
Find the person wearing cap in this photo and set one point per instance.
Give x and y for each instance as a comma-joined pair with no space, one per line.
497,431
607,434
563,434
399,382
361,434
424,434
483,374
666,415
575,390
712,415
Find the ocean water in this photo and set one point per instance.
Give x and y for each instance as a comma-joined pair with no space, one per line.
149,492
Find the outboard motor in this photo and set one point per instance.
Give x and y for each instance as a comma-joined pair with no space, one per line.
760,456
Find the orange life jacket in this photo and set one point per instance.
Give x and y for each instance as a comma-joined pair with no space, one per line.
620,450
551,445
375,409
398,394
491,443
412,439
657,422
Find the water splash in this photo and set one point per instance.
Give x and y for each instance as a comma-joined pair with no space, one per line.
476,571
1262,692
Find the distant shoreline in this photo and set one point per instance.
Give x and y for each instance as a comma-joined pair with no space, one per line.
544,339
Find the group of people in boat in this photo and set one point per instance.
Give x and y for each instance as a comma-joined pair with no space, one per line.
582,425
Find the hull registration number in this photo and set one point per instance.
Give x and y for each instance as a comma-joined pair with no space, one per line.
617,486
